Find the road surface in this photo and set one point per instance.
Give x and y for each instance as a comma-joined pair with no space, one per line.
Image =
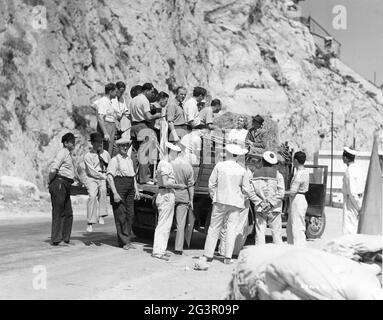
94,268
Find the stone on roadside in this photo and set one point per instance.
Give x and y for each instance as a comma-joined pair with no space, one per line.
14,188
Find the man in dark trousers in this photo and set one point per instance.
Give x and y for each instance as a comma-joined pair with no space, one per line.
60,178
122,181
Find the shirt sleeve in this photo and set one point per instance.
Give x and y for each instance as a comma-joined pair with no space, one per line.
275,201
166,169
191,111
90,168
58,161
295,184
213,181
112,167
209,115
353,184
171,112
145,105
101,107
190,182
248,189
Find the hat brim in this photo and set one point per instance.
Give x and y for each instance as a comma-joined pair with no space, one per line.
122,142
172,147
236,149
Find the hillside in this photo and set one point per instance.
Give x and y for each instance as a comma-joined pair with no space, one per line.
56,56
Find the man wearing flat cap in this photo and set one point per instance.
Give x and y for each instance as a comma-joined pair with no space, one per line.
255,136
353,189
61,177
96,161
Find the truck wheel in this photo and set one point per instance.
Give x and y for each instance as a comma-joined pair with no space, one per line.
315,226
143,232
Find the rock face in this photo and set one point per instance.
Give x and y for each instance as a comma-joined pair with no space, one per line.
56,56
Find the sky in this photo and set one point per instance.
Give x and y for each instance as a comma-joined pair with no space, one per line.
362,40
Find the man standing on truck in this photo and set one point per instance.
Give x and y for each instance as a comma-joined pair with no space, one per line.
176,116
191,107
353,189
96,161
255,136
227,185
141,119
183,174
107,116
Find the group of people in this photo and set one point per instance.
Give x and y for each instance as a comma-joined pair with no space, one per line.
115,160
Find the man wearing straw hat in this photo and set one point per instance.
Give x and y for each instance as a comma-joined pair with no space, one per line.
122,181
353,189
96,162
269,186
227,185
165,201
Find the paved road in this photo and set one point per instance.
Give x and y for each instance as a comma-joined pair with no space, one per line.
94,268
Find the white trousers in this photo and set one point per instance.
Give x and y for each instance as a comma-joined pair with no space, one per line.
97,202
296,224
260,229
165,205
219,214
240,233
350,218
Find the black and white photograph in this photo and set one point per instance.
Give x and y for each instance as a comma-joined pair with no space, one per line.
194,152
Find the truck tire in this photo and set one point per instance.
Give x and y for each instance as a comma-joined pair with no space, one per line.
143,233
315,226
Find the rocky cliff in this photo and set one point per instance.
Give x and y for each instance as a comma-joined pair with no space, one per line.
56,56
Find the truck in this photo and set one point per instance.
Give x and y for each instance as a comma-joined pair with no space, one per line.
146,214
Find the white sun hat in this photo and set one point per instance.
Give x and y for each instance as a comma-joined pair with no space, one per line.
270,157
236,149
350,151
173,147
124,140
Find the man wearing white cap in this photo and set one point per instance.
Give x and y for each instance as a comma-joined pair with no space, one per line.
226,187
269,186
122,181
165,201
353,189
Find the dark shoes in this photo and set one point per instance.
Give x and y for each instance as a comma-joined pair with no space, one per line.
177,252
55,243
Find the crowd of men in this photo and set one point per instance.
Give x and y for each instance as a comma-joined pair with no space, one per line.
171,127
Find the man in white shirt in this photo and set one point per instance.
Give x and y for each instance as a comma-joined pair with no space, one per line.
141,120
107,116
191,107
353,189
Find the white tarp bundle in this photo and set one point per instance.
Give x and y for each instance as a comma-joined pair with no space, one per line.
285,272
355,246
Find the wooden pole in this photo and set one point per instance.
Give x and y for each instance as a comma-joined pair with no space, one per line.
332,155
